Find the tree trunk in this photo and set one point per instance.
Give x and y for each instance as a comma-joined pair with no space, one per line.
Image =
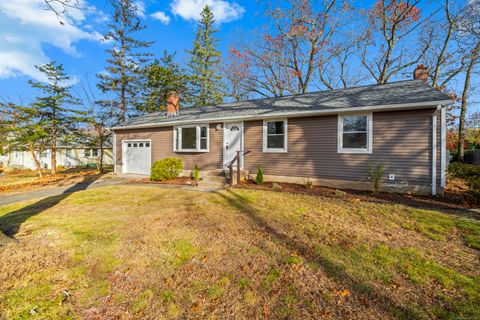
38,165
54,160
438,65
463,109
101,154
123,102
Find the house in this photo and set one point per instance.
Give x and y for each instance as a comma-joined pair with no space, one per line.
67,157
328,137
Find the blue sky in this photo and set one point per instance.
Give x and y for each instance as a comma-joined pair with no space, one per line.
31,35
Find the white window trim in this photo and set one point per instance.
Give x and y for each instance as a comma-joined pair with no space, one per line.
285,137
369,148
198,130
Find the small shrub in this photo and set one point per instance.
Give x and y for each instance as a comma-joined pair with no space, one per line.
259,178
340,193
196,173
166,169
474,187
375,176
309,184
463,170
471,174
276,187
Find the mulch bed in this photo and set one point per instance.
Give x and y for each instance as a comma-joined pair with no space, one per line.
451,199
182,181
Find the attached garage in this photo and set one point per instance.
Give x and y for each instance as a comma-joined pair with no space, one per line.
137,155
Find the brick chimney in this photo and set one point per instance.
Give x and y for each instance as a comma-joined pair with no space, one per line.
421,73
172,104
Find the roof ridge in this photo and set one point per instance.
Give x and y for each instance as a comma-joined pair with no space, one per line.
390,94
312,92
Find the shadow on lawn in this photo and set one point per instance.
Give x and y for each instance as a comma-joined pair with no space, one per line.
10,223
308,252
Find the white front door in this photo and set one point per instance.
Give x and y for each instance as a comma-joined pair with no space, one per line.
233,133
137,157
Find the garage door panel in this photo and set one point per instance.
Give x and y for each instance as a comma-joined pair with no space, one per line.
137,156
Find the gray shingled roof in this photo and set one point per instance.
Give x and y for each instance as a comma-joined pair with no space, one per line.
389,96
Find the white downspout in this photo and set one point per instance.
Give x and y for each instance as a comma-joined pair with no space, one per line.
434,151
443,154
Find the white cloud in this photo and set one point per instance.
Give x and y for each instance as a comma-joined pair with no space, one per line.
223,11
26,28
161,16
140,8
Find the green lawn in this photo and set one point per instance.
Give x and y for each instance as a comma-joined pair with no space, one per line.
134,252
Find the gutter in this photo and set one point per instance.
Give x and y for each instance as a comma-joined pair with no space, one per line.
443,146
434,149
387,107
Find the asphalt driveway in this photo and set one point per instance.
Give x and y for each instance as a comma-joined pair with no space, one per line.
55,191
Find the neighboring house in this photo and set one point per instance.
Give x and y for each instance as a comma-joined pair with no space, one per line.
329,137
3,160
67,156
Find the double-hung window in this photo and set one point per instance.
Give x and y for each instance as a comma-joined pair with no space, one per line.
91,153
355,133
275,135
191,138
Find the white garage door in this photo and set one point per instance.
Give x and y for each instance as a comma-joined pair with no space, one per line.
137,156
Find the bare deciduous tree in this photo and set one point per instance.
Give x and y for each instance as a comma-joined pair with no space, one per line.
469,32
390,45
336,70
99,119
292,47
61,8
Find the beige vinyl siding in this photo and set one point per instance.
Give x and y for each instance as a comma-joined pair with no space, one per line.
162,147
401,142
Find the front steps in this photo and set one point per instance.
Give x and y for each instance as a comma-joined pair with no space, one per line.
218,179
214,179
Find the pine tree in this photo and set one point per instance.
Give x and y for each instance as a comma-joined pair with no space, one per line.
204,63
55,108
164,75
22,129
125,75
